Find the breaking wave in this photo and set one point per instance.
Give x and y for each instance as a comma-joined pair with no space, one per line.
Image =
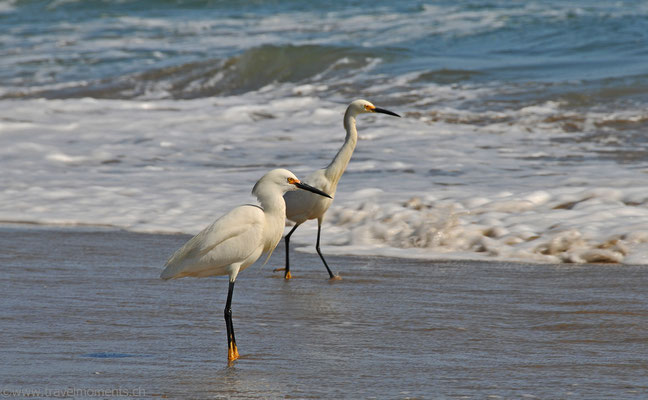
252,70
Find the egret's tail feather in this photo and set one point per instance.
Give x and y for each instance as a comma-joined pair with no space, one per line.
167,273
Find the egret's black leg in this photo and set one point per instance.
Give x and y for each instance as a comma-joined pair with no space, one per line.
317,247
287,240
232,351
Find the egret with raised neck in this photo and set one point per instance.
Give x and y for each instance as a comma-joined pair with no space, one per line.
302,206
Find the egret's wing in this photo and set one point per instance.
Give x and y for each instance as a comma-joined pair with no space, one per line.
302,205
230,239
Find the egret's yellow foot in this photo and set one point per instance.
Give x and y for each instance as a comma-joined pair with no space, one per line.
287,276
335,278
232,352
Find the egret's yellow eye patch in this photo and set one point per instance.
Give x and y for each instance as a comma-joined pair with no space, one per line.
369,107
292,181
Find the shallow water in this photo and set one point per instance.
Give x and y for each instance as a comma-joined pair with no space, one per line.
84,309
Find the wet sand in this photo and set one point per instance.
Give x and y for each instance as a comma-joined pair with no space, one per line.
84,309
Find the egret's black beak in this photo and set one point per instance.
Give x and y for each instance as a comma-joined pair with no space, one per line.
383,111
304,186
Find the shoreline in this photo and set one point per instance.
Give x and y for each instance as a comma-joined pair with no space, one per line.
305,248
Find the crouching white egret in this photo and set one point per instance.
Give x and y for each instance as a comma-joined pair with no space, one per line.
302,206
237,239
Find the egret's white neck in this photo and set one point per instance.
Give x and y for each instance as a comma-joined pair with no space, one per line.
337,167
272,202
274,211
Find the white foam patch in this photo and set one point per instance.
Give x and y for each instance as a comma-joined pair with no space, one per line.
593,226
442,187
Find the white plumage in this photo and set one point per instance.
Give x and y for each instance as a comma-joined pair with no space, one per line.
218,248
303,206
237,239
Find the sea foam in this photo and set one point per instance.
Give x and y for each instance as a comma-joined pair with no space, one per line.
415,187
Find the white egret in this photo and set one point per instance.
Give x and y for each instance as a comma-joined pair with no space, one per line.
237,239
302,206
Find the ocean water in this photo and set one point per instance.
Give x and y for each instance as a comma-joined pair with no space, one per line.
523,134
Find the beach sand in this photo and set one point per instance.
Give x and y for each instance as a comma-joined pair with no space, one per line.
83,309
